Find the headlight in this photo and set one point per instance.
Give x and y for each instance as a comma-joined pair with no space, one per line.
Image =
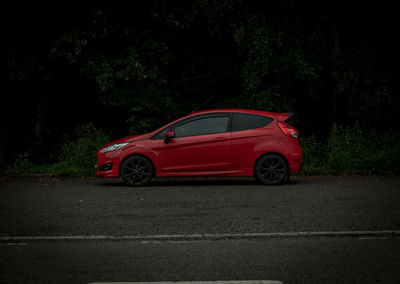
113,147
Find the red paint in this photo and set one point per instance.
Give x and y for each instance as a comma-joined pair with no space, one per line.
219,154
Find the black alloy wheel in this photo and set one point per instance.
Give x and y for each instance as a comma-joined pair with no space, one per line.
271,169
137,171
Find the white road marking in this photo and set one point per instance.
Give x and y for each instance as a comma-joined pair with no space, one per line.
201,282
373,238
197,237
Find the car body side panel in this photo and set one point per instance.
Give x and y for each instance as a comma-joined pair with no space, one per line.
249,145
201,153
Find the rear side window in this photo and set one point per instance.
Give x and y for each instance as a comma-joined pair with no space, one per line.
202,126
244,121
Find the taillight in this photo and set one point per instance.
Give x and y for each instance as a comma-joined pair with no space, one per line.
288,130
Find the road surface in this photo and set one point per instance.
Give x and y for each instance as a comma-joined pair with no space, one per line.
312,230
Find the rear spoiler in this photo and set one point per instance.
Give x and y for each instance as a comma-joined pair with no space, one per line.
283,116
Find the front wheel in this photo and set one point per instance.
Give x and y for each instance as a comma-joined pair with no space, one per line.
271,169
137,171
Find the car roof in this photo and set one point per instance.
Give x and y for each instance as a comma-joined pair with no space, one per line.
250,111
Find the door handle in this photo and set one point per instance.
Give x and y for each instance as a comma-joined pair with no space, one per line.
220,139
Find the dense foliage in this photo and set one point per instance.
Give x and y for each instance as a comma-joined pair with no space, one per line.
131,69
349,150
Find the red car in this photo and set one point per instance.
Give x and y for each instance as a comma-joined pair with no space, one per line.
221,142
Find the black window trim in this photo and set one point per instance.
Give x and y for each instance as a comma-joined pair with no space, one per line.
208,115
200,116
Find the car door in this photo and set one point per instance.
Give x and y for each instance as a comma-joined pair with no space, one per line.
200,145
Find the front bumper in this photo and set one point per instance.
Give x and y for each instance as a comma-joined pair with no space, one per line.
108,164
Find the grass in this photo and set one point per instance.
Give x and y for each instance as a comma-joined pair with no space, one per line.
60,169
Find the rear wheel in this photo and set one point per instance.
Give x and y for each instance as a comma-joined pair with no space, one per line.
137,171
271,169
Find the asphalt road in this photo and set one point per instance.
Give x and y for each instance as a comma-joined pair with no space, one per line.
200,206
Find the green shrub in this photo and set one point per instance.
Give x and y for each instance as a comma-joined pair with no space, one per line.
314,156
23,162
349,150
346,150
79,152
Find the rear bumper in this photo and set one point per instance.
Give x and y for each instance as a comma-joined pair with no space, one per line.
295,160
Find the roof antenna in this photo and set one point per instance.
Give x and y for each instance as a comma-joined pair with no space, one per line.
204,103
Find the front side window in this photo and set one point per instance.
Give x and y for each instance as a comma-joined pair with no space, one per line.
160,134
202,126
244,121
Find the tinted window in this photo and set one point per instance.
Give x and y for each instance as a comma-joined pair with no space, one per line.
208,125
160,134
242,121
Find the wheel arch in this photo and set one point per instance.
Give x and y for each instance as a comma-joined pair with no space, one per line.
141,155
267,153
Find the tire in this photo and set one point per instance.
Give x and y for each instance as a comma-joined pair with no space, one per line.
137,171
271,169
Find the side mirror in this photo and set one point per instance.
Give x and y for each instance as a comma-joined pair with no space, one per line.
170,134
